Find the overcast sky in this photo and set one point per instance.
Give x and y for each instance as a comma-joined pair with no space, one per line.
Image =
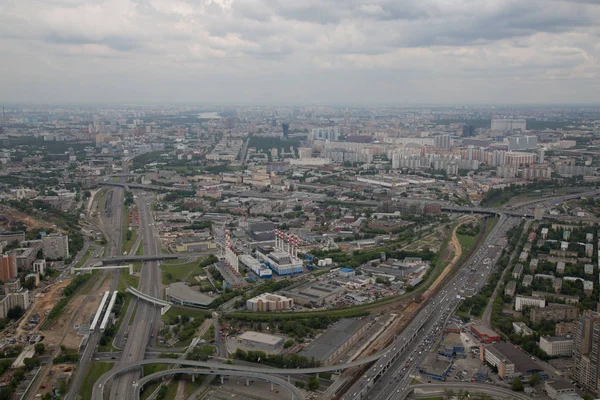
300,51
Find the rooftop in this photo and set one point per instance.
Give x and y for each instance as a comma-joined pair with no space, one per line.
183,292
261,337
522,362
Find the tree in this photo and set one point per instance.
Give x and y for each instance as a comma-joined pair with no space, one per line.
39,348
15,312
313,383
449,393
534,379
517,385
299,384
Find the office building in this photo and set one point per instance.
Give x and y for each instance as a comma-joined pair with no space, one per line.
468,130
328,133
507,124
269,302
55,246
285,129
557,346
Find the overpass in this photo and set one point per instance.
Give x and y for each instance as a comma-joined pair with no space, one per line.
157,302
156,257
86,269
295,393
144,187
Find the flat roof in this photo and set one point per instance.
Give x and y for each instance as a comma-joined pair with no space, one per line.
333,338
522,362
184,293
484,330
261,337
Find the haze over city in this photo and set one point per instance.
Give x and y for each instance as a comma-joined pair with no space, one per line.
300,52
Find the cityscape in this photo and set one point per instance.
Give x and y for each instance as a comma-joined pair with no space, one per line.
264,200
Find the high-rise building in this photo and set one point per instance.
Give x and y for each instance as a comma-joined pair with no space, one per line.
506,124
542,155
586,350
468,130
285,129
442,141
8,267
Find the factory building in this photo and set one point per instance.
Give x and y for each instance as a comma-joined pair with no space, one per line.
261,341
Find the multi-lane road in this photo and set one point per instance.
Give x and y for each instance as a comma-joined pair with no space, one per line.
390,375
147,316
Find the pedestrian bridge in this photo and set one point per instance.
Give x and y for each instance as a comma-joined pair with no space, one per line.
157,302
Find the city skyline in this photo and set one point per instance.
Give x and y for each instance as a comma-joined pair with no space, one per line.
268,52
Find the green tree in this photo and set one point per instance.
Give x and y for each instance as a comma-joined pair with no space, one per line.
299,384
517,385
534,379
39,348
313,383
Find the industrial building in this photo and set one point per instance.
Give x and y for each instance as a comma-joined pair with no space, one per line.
280,262
508,124
317,294
336,340
509,361
255,266
436,367
261,341
261,232
269,302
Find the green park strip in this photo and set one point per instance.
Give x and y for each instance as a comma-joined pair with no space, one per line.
94,371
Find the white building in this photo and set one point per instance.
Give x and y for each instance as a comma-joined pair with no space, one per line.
557,345
506,124
527,301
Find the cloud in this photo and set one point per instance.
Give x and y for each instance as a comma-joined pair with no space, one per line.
299,44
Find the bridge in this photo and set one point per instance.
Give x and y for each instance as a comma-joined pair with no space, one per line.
295,393
144,187
75,270
157,302
156,257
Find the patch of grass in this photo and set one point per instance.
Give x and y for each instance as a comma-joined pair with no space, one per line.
152,368
140,249
84,259
178,273
191,387
413,381
186,312
127,280
94,371
466,242
149,389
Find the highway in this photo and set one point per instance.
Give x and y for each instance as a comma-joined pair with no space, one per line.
147,316
295,393
391,374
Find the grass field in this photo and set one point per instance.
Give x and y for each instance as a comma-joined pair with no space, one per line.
83,259
178,273
94,371
466,242
152,368
175,311
127,280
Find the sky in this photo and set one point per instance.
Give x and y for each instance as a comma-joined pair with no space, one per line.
300,51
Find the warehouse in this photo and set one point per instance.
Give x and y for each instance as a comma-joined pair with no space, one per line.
317,294
509,361
336,340
261,341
